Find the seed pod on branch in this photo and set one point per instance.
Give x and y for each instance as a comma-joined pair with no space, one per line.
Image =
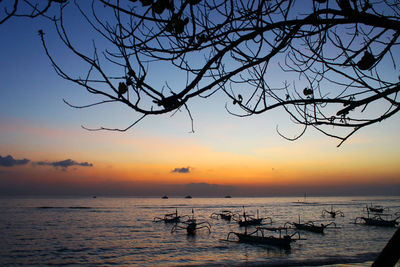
366,62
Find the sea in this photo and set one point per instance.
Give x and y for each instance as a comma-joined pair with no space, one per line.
115,231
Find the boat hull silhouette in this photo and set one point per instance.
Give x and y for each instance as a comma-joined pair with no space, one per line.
266,240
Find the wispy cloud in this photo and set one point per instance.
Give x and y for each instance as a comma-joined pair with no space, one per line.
182,170
9,161
64,163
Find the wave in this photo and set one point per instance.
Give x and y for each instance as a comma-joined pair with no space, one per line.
72,207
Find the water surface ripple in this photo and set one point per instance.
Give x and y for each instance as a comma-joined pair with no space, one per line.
121,231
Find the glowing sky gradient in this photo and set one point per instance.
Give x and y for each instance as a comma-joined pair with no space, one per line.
225,155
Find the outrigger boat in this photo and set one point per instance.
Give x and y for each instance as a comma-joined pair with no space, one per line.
224,215
191,225
377,221
375,208
332,212
170,218
249,220
259,237
310,226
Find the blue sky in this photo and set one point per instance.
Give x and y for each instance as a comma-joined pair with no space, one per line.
224,150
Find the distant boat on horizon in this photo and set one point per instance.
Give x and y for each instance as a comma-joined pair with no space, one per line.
305,202
188,197
164,197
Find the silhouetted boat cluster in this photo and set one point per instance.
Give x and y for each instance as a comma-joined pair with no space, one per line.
263,232
189,223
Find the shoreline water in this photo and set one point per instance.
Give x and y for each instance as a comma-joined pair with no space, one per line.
121,231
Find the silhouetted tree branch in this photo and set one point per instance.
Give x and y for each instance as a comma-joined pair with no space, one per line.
25,8
340,55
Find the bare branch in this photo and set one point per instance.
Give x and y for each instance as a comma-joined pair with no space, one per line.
325,65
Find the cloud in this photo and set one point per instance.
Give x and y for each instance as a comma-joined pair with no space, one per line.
64,163
181,170
9,161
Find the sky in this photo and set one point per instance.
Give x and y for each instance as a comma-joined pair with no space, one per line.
44,150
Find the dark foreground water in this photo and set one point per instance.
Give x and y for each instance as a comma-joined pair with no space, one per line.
121,231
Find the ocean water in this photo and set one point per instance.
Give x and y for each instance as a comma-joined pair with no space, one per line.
120,231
